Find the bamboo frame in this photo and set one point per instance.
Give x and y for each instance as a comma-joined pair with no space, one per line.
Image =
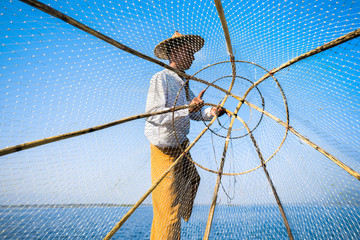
324,47
220,172
290,128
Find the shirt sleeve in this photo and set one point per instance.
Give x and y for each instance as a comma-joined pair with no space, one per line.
157,99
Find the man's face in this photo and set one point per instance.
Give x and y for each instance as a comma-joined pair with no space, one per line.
183,57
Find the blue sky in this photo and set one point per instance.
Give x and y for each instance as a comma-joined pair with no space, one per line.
56,79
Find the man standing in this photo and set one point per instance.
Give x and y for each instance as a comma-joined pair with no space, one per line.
173,198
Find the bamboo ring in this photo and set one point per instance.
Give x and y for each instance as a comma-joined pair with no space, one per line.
258,123
249,132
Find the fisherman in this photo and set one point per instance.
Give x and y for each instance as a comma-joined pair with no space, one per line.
173,198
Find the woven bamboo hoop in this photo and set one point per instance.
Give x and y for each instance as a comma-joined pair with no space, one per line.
345,38
241,100
250,117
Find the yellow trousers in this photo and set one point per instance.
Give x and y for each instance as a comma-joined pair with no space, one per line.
173,198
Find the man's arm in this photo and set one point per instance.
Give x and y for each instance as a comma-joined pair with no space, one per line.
156,101
198,113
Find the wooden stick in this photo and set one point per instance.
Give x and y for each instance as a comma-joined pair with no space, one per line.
277,198
40,142
220,11
218,181
47,9
326,46
132,210
224,25
316,147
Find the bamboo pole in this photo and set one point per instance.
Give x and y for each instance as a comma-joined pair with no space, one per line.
277,198
310,143
224,25
347,37
221,14
218,181
47,9
40,142
132,210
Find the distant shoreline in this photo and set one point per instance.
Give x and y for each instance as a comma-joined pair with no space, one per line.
78,205
89,205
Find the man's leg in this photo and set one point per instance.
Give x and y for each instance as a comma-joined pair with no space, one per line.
166,220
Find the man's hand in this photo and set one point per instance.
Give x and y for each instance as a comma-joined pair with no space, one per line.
218,111
198,102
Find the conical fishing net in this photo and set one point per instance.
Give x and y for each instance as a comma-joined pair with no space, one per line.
83,94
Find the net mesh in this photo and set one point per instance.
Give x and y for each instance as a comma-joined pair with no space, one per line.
56,79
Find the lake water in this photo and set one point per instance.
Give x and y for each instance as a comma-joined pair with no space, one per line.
230,222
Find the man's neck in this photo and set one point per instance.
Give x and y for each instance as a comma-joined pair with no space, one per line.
175,66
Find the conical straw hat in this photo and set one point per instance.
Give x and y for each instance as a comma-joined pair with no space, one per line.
163,48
